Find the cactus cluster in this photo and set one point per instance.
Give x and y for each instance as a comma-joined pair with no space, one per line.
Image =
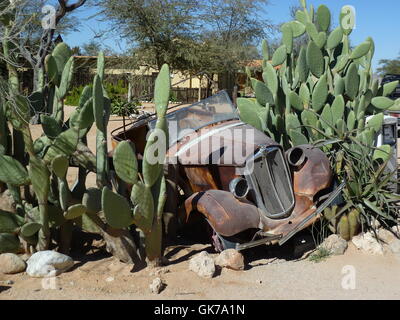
325,92
48,158
148,194
48,202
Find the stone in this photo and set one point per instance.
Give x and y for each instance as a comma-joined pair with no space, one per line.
110,279
25,257
11,264
367,242
396,230
375,223
335,244
159,271
48,264
395,247
203,265
230,259
386,236
157,286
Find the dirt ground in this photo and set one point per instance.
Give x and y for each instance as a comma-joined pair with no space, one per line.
270,274
98,277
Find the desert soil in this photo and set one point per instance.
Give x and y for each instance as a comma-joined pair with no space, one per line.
269,274
103,278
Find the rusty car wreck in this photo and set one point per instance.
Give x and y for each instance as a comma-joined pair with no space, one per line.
249,190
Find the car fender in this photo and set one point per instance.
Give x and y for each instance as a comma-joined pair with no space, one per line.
226,214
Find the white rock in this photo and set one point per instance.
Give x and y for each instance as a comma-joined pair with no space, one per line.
11,264
396,230
367,242
386,236
203,265
159,271
110,279
231,259
395,247
157,286
375,223
48,264
335,244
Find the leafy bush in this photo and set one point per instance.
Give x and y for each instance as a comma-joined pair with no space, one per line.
173,97
115,92
74,95
121,107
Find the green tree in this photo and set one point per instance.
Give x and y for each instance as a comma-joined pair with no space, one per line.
159,31
91,48
389,66
190,35
234,28
24,33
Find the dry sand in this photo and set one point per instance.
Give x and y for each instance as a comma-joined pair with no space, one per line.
100,278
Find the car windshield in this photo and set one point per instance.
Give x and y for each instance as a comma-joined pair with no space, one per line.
196,116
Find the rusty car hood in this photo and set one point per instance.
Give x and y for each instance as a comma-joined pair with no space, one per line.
229,143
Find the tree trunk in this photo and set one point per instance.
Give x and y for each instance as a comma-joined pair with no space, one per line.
199,93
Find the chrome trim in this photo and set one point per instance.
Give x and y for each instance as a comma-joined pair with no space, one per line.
232,188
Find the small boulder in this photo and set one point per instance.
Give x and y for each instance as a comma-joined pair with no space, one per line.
159,271
48,264
157,286
11,264
395,247
203,265
368,243
335,244
231,259
386,236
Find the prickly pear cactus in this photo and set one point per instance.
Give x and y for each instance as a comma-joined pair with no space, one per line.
323,91
148,197
45,162
327,87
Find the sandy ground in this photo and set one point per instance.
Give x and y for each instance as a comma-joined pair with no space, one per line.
270,274
102,278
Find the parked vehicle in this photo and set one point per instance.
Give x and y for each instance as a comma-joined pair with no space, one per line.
395,95
243,183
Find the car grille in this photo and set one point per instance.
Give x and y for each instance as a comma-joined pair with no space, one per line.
270,180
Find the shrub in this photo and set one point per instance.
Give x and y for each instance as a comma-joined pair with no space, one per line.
121,107
73,97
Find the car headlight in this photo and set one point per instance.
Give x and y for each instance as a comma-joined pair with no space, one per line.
239,188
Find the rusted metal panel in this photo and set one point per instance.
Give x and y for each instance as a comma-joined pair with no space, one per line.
227,144
200,179
314,175
227,215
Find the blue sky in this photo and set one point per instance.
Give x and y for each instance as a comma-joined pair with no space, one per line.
377,19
